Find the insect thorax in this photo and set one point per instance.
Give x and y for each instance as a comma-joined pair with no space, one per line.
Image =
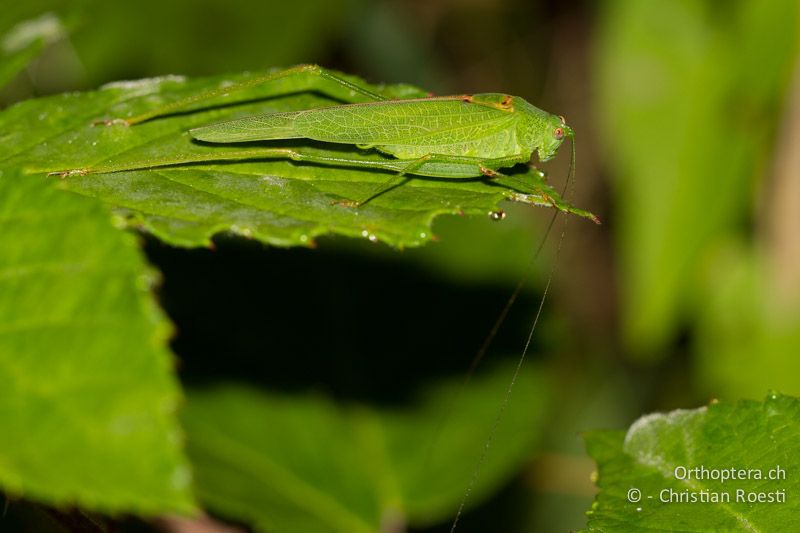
535,129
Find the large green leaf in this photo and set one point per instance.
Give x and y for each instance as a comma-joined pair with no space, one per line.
667,472
278,202
300,463
87,409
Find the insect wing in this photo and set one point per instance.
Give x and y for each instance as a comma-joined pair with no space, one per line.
402,122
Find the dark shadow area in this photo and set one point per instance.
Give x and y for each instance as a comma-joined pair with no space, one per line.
352,325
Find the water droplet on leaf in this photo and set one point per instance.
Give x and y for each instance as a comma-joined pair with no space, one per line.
497,215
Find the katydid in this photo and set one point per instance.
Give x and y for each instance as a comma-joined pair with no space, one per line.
452,137
462,136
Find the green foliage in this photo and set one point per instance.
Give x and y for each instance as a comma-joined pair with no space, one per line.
89,397
749,336
744,436
22,42
689,120
687,94
276,201
200,37
304,463
121,40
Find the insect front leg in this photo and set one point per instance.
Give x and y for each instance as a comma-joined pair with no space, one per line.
296,79
531,189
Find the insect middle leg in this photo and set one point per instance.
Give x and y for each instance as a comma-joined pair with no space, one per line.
299,78
439,165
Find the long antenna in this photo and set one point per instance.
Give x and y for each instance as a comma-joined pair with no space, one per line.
504,404
484,349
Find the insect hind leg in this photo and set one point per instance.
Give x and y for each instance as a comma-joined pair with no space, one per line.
296,79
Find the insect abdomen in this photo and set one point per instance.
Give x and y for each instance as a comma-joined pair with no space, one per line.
258,128
483,144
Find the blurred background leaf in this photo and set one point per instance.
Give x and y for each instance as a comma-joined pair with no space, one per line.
689,121
354,468
120,40
23,41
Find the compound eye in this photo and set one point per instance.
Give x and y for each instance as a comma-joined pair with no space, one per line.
559,133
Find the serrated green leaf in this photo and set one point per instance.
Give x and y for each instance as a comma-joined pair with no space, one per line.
278,202
87,410
670,458
303,463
